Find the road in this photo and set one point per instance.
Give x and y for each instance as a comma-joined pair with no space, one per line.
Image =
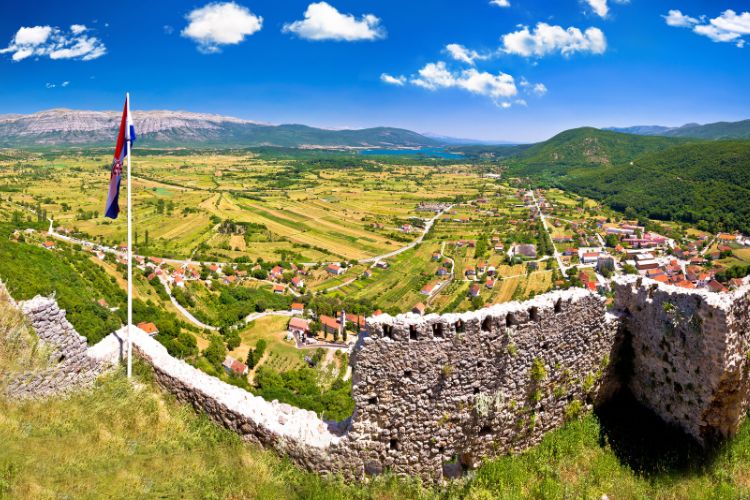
184,311
557,256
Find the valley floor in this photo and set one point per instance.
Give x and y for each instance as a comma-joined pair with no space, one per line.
131,441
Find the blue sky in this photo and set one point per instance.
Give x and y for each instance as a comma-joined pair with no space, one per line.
507,77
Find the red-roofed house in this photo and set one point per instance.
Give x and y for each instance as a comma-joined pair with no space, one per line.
231,365
298,308
297,282
278,289
149,328
330,325
299,327
474,290
335,269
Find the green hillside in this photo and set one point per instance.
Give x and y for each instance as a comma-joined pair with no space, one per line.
706,183
586,147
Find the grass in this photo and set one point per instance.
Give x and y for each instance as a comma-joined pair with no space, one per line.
131,441
20,350
283,355
123,440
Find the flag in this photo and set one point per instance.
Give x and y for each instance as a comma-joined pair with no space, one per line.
127,133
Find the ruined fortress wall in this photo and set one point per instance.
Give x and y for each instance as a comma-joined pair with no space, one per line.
71,369
689,354
436,394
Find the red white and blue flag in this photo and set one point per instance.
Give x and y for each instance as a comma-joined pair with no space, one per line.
127,134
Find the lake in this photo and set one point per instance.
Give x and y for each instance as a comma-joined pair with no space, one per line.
426,152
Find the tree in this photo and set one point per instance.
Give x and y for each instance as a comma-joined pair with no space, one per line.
255,355
215,352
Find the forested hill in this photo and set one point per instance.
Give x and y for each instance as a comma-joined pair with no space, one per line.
706,183
589,147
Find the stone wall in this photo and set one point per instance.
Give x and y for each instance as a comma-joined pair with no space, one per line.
690,354
71,369
435,395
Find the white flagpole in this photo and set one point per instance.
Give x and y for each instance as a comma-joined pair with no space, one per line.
130,245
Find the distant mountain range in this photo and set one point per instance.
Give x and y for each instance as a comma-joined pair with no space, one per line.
57,127
709,131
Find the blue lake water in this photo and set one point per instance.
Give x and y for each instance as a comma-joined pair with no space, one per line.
426,152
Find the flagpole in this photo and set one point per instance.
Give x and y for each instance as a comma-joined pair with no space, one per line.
130,248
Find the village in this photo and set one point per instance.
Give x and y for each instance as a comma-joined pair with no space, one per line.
508,245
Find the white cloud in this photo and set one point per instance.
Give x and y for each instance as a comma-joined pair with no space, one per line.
539,89
324,22
463,54
219,24
50,85
48,41
678,19
546,39
601,8
500,3
65,83
727,27
393,80
499,87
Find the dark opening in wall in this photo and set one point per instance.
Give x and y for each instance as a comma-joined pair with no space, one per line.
61,358
412,332
437,330
476,390
393,444
460,326
388,331
508,320
558,306
407,373
487,324
486,430
373,400
534,314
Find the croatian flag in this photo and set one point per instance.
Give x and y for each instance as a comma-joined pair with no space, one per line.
127,134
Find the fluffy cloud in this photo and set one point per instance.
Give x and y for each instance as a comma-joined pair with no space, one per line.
546,39
393,80
601,8
500,3
219,24
324,22
727,27
48,41
463,54
678,19
500,87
